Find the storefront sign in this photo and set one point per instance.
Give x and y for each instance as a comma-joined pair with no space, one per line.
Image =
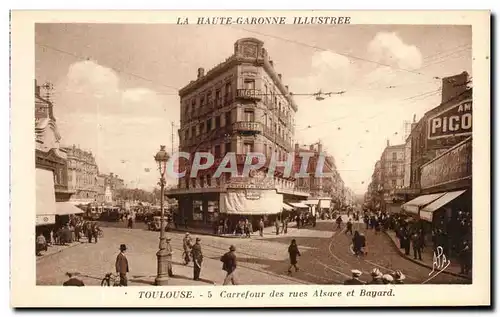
453,165
42,220
454,121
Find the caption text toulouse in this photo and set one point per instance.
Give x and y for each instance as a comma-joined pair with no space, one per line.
259,295
265,20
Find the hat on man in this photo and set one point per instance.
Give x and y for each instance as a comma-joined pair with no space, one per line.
187,233
198,239
376,273
388,279
232,248
356,273
123,247
168,239
398,275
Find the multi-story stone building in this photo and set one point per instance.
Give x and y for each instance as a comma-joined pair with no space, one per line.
52,192
239,106
82,175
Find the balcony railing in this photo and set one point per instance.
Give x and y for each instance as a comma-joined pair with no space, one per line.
251,94
248,126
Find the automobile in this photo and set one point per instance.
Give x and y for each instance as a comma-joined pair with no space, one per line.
155,224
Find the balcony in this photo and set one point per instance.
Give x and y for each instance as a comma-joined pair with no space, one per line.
248,126
249,94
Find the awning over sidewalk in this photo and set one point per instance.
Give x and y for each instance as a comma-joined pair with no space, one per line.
427,211
298,205
286,207
413,206
65,208
310,202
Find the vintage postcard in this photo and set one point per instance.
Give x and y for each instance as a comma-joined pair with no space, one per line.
302,158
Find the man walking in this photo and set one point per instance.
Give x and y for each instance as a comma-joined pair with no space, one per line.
229,265
293,251
277,226
122,265
261,227
197,259
349,227
285,225
168,248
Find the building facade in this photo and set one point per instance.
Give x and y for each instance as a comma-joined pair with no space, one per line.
82,175
240,106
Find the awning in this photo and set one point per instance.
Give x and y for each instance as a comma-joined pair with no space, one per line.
310,202
414,205
64,208
286,207
298,205
443,200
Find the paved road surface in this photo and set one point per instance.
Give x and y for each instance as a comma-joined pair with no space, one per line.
326,258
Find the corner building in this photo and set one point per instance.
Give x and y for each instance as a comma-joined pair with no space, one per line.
239,106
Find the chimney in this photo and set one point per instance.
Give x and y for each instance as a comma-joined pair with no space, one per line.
453,86
388,142
271,62
296,147
201,72
414,118
279,76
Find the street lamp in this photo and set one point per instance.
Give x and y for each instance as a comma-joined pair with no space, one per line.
161,159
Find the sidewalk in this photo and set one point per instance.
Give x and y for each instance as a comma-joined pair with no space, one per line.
427,256
56,248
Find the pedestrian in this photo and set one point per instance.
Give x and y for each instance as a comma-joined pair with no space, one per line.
88,230
261,227
339,222
95,231
297,219
406,239
465,258
277,226
229,265
197,259
293,251
169,251
73,281
355,278
130,224
417,246
121,265
314,221
376,277
41,244
398,277
285,225
356,243
187,245
349,227
387,279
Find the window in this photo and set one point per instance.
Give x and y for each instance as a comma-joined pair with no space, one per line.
193,132
249,116
217,97
228,91
393,183
270,122
202,101
202,127
217,151
209,124
394,169
247,147
394,156
228,118
249,84
265,93
186,135
228,147
217,122
193,104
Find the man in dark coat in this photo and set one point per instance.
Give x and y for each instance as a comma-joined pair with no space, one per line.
355,278
293,251
121,265
229,265
73,281
197,259
349,227
417,246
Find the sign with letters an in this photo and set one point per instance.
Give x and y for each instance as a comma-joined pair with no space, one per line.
454,121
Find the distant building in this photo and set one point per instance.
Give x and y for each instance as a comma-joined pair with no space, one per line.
82,175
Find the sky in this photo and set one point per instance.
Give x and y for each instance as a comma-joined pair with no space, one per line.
116,86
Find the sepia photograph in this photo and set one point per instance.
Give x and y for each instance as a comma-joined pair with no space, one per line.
216,151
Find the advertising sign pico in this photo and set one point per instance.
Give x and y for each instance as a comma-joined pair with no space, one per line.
454,121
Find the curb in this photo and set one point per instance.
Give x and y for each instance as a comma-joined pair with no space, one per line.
40,258
421,263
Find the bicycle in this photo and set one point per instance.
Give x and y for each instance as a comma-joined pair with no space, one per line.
110,279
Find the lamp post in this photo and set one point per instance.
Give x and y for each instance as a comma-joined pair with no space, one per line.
161,159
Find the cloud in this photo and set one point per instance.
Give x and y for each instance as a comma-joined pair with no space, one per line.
388,48
122,127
